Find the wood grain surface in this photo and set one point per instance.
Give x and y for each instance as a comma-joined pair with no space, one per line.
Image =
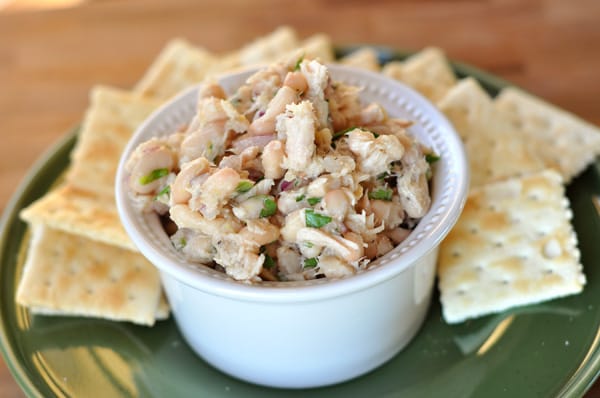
49,60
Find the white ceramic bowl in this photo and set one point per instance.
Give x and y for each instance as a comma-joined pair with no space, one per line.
312,333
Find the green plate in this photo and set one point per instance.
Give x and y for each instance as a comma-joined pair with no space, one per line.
543,350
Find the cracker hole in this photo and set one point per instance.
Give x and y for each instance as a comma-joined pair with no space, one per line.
89,291
499,244
548,271
455,254
47,283
473,230
131,297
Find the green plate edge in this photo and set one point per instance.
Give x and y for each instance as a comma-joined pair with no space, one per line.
40,177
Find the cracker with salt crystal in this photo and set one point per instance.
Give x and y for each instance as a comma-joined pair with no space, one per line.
427,71
364,58
71,275
566,143
178,66
495,148
110,120
513,245
80,213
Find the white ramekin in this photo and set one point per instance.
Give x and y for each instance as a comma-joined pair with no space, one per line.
312,333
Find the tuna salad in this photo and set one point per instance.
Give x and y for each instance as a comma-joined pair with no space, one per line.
289,178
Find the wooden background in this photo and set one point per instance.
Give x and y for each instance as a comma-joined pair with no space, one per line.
49,60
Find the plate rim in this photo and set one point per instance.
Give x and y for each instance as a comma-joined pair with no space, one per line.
581,381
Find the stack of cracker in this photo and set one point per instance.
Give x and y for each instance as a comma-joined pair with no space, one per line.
513,245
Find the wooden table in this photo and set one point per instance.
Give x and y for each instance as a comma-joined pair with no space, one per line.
49,60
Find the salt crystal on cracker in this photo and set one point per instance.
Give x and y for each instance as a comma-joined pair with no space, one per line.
495,148
110,120
66,274
513,245
80,213
365,58
178,66
427,71
564,141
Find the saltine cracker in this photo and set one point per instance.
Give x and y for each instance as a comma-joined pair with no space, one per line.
513,245
71,275
566,142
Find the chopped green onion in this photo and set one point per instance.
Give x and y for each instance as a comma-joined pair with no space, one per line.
269,207
153,176
431,158
300,198
381,194
311,262
244,186
269,262
308,244
313,201
297,66
315,220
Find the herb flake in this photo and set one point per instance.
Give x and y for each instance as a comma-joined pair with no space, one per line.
153,176
431,158
269,262
298,63
244,186
269,208
165,191
315,220
381,194
300,198
311,262
313,201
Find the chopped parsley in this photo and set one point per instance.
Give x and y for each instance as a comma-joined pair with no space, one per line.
153,176
431,158
269,207
313,201
381,194
300,198
311,262
315,220
244,186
